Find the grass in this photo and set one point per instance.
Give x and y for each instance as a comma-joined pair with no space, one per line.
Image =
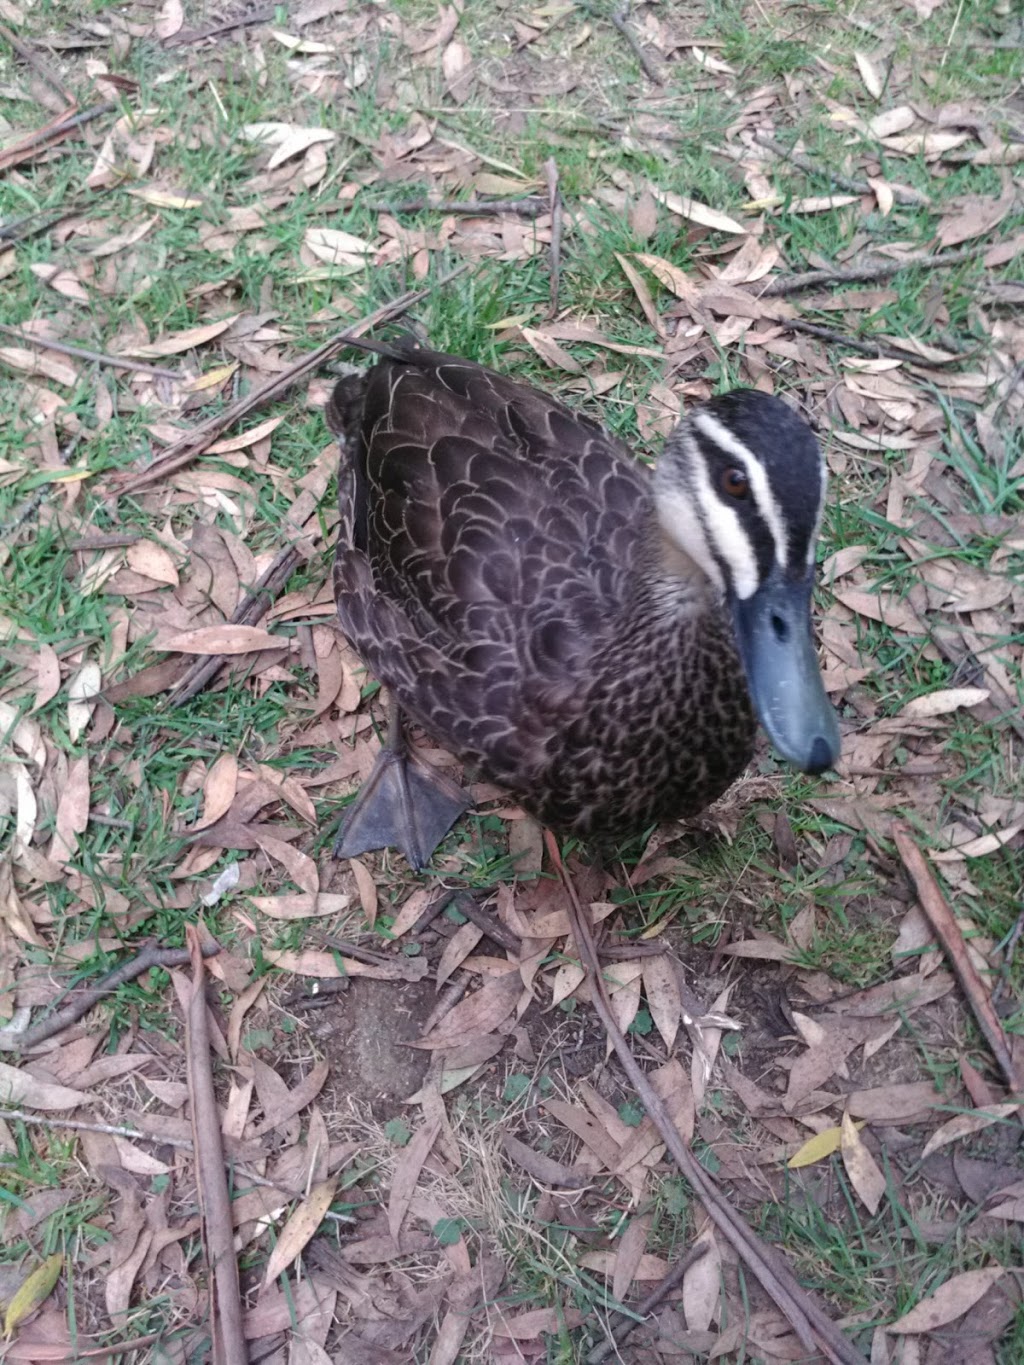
146,774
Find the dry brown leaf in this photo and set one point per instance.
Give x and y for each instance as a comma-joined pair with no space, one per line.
299,866
481,1012
976,216
72,816
407,1174
47,675
697,212
870,75
367,889
662,990
536,1322
943,701
702,1283
303,906
177,342
865,1175
822,203
225,639
642,293
152,561
245,439
219,789
299,1229
966,1125
549,351
543,1169
457,949
21,1089
629,1254
338,248
949,1302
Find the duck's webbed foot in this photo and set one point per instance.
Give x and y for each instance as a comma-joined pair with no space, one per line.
403,804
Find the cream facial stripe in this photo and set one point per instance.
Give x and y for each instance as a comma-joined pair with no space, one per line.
697,519
723,438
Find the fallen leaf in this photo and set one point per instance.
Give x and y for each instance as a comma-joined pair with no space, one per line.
21,1089
966,1125
226,639
870,75
299,1229
32,1291
865,1175
697,212
407,1173
949,1302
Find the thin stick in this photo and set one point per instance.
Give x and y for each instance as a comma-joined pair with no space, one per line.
52,132
903,194
39,65
251,609
943,921
805,1316
647,1305
888,349
188,448
114,362
618,18
150,955
555,251
260,16
529,207
866,274
214,1202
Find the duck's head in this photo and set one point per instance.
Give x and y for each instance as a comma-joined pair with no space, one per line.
740,490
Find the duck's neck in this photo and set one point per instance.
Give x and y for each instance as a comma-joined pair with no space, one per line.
669,583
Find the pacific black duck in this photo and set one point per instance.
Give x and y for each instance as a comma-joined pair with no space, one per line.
594,639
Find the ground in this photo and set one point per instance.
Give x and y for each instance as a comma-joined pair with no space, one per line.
432,1152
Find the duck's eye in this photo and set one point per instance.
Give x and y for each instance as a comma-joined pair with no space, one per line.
735,483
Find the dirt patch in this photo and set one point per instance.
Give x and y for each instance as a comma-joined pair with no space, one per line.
365,1037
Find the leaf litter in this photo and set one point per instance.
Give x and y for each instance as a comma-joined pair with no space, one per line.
841,1066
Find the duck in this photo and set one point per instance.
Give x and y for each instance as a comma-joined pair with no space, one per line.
598,639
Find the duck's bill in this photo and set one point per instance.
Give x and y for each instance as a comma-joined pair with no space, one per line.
773,632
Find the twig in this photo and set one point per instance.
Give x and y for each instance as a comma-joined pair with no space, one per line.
888,349
52,132
150,955
185,450
942,920
903,194
805,1316
39,65
212,1187
490,924
259,16
115,540
253,607
647,1305
866,274
555,250
114,362
618,19
529,207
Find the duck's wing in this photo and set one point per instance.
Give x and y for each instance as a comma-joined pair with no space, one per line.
479,500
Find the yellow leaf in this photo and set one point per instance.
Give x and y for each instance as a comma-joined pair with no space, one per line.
817,1148
33,1292
220,375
